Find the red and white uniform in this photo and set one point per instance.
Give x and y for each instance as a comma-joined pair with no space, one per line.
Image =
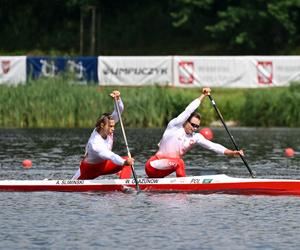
99,159
175,143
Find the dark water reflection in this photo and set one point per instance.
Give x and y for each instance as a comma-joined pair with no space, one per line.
56,152
156,221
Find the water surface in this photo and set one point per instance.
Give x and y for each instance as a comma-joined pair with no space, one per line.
50,220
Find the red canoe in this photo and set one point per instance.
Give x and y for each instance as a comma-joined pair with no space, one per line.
208,184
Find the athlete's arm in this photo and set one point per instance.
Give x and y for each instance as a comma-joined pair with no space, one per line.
109,155
215,147
117,95
182,118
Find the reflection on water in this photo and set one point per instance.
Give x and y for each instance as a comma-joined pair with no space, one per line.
49,220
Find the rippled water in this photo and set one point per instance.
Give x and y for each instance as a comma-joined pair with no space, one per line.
50,220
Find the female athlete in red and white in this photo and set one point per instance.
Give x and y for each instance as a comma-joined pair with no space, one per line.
179,138
99,158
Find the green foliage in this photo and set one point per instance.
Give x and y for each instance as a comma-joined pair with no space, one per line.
47,103
127,27
272,107
60,103
245,26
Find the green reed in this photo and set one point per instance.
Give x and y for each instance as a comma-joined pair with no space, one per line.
58,102
272,107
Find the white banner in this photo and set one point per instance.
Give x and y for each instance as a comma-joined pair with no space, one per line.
213,71
12,69
235,71
267,71
134,70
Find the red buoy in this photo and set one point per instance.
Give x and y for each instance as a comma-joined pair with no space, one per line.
289,152
27,163
207,133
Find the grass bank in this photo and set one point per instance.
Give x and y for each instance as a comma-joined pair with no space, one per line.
59,103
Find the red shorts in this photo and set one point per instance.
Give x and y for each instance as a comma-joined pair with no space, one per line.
171,165
90,171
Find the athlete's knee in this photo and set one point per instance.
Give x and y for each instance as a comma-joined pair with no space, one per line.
180,170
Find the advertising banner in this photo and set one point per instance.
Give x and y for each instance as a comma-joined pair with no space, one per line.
268,71
12,69
135,70
212,71
179,71
235,71
80,69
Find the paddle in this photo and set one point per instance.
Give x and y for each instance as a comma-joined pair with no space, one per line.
126,143
231,137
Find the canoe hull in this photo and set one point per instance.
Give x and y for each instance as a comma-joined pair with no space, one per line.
198,184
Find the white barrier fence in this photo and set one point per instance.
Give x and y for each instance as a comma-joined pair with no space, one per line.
12,69
180,71
134,70
236,71
199,71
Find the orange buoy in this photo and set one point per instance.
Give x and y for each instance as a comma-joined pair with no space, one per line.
289,152
207,133
27,163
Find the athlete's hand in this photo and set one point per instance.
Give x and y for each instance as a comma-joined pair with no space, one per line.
129,162
234,153
237,153
206,91
115,94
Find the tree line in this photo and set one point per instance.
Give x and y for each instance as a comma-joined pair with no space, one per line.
149,27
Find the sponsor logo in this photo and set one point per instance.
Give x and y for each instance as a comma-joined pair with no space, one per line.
136,71
172,164
186,72
76,70
5,66
48,68
206,181
264,72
